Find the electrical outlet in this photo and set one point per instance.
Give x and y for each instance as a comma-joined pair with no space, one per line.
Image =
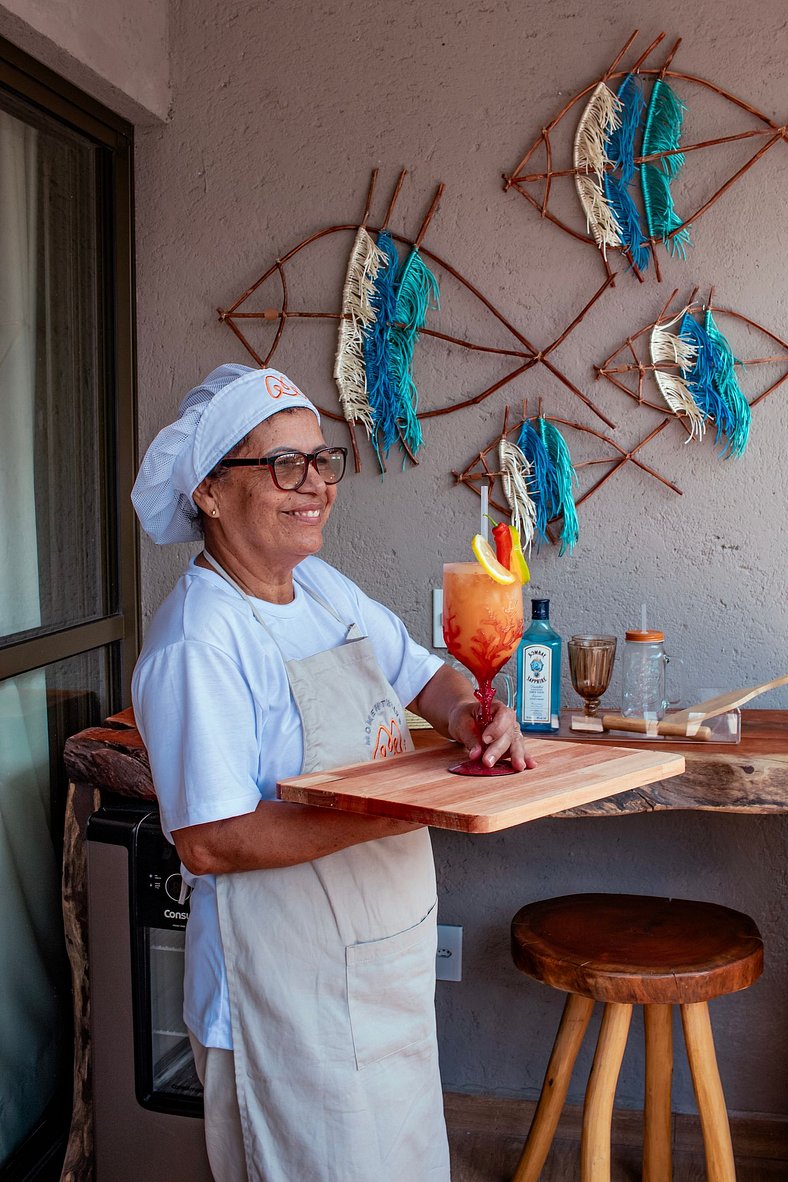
448,959
437,618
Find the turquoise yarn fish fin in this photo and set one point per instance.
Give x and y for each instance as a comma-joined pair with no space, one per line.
417,292
565,477
729,389
542,482
662,133
381,392
661,217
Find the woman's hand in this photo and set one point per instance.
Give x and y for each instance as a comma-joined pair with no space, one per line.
501,737
448,703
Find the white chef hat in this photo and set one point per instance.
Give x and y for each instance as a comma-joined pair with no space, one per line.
212,418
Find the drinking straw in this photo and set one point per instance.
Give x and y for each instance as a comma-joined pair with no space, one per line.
643,618
483,529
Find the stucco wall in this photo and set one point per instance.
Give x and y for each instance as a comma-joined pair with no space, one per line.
116,51
278,118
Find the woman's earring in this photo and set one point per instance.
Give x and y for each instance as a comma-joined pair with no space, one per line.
213,512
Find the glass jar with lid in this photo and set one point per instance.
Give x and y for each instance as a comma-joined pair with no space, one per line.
644,662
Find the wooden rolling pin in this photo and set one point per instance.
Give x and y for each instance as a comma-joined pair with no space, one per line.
643,726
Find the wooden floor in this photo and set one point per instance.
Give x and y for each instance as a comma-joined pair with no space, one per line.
486,1138
492,1157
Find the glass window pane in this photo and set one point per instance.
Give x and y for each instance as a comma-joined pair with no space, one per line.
38,711
53,507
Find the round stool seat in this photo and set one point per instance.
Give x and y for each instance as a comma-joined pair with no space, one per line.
637,949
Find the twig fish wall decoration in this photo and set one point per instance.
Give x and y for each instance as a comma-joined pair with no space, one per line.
608,174
383,316
538,492
697,371
390,302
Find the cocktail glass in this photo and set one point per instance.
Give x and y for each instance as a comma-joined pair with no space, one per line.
590,667
482,627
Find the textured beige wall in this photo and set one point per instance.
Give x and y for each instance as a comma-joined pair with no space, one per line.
279,112
116,51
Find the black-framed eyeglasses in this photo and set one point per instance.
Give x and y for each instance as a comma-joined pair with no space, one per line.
289,469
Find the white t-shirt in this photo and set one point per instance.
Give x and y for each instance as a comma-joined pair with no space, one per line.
214,708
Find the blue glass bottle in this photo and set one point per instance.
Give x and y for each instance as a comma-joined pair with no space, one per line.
539,673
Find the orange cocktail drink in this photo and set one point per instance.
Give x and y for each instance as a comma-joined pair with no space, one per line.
482,627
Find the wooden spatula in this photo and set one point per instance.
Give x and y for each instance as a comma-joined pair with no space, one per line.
685,722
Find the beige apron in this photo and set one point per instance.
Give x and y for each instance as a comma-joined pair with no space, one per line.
331,967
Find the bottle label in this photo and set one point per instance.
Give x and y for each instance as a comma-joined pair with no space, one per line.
537,679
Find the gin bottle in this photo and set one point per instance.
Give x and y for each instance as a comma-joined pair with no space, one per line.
539,673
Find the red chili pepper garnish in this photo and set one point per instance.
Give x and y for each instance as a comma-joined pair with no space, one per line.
503,544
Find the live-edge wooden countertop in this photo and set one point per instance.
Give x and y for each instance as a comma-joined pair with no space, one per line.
747,777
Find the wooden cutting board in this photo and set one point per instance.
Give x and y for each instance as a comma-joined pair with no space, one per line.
417,787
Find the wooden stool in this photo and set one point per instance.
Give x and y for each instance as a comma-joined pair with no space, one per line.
627,950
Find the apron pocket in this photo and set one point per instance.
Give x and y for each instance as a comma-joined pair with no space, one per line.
391,991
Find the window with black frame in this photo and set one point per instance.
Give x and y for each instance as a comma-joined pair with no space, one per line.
68,618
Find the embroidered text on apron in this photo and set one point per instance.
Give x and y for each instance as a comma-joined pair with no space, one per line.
331,967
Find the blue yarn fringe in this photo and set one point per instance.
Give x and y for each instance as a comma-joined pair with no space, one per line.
701,377
621,143
620,150
542,481
380,386
625,212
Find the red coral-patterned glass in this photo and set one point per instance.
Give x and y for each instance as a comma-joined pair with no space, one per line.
482,627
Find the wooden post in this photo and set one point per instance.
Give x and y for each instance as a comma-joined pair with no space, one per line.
601,1093
82,800
657,1134
568,1040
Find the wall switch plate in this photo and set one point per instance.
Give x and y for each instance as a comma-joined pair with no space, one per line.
448,959
437,618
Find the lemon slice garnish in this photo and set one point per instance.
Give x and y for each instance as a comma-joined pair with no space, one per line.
485,556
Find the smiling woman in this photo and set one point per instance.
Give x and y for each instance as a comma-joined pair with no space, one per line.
263,662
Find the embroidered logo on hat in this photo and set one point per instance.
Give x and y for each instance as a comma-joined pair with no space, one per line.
278,386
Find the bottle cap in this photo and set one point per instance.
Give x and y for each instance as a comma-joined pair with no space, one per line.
645,637
540,609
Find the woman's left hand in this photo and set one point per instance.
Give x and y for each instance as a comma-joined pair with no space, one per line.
502,736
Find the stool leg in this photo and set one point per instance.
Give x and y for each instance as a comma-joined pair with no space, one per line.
574,1021
601,1093
708,1092
657,1133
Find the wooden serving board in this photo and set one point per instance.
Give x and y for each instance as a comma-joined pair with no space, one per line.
417,787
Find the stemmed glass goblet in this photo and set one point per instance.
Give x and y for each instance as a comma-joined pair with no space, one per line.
591,666
482,627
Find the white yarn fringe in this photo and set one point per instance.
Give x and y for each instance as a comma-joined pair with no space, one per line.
515,476
667,346
601,117
357,314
